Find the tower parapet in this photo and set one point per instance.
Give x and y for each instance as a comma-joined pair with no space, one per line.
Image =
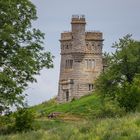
66,36
94,35
78,19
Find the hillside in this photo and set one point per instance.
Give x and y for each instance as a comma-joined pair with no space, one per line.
90,106
83,107
84,119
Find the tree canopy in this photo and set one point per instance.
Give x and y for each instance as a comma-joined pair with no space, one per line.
121,79
22,54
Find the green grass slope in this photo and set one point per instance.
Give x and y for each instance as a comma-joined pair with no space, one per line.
87,118
90,106
124,128
84,107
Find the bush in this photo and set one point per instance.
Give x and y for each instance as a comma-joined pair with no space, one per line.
6,124
129,95
24,119
110,108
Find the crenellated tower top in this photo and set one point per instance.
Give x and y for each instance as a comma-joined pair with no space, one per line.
78,19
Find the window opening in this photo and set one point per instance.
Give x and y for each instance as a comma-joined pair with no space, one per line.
67,95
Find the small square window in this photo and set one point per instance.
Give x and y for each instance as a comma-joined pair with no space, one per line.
90,87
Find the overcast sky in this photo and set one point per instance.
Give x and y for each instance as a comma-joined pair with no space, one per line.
115,18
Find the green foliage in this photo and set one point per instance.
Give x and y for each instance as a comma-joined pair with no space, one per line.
118,80
6,124
125,128
24,119
106,84
99,120
110,108
40,109
22,53
129,95
81,107
126,59
91,106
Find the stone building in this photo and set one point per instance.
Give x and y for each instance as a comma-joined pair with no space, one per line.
81,60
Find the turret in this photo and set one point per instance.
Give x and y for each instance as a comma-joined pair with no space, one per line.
78,32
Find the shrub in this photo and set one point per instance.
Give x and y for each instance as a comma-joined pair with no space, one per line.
6,124
129,95
24,119
110,108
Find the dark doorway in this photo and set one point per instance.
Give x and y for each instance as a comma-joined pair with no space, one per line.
67,95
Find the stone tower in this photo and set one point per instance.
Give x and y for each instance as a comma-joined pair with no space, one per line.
81,60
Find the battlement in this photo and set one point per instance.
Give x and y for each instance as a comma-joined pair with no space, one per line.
78,19
94,35
67,35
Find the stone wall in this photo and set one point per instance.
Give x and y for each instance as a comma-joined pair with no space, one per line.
84,51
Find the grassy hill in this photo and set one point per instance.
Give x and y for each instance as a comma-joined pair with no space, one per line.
82,107
90,106
85,119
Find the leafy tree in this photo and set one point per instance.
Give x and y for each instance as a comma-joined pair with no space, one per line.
22,54
126,59
128,95
117,81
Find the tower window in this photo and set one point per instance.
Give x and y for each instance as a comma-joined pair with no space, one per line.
67,47
72,36
90,63
90,87
69,64
67,95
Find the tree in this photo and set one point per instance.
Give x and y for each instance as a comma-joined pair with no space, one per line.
128,95
117,81
126,59
22,55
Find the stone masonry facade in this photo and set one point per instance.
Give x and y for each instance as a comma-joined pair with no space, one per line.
81,60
